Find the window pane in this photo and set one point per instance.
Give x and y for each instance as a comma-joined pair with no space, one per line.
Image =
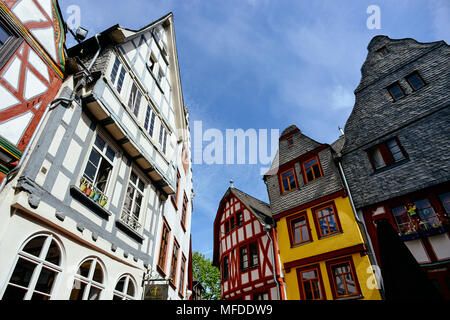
84,269
120,284
286,185
317,173
351,287
98,273
316,289
332,223
94,293
287,174
115,70
14,293
45,281
103,175
395,150
396,91
340,285
305,235
53,254
308,275
415,81
445,199
403,219
308,290
377,158
100,143
22,273
310,163
77,290
130,290
116,297
426,213
4,35
34,246
309,174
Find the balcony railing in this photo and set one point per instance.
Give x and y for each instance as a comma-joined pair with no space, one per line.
131,221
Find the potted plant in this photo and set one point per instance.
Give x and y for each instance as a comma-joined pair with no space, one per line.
83,184
103,200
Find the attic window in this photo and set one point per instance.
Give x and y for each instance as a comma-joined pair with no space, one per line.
396,91
383,51
290,141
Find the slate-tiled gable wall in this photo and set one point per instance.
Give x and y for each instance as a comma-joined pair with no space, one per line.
420,120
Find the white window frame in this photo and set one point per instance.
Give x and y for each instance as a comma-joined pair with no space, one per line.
89,282
163,133
103,155
133,222
121,69
123,295
40,263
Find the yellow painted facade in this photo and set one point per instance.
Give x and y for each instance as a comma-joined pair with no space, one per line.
349,236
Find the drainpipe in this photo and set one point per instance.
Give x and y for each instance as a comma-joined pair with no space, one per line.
370,247
267,228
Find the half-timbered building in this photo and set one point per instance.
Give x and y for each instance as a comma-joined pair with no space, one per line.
245,249
32,64
101,208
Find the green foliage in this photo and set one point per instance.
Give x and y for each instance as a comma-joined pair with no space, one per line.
207,275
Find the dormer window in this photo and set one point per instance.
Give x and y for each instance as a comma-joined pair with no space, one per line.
312,169
415,80
290,141
396,91
383,51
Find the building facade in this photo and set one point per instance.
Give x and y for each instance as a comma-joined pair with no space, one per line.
32,65
245,249
101,208
321,245
396,156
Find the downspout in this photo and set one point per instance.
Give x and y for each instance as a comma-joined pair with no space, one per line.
358,220
50,107
267,228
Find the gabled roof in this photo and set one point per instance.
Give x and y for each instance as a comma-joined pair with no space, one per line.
258,208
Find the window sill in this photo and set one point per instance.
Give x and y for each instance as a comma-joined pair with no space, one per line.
129,231
161,271
79,195
293,246
331,235
357,297
386,168
172,284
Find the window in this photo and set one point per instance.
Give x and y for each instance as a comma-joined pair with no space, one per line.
386,154
310,283
383,51
445,199
232,223
163,138
415,80
36,270
312,169
152,62
117,75
396,91
160,76
125,289
343,278
182,272
135,100
133,202
299,231
9,42
163,247
227,227
290,141
427,215
288,180
174,198
403,220
99,167
239,219
174,263
88,284
326,220
249,256
149,123
4,36
261,296
184,210
225,272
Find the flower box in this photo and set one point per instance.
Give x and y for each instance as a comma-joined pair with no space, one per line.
410,236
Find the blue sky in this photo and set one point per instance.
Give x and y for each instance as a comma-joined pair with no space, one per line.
266,64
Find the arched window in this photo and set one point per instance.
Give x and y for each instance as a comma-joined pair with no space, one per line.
125,289
36,270
88,284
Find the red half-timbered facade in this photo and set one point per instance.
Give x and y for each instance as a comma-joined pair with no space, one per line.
32,37
244,247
